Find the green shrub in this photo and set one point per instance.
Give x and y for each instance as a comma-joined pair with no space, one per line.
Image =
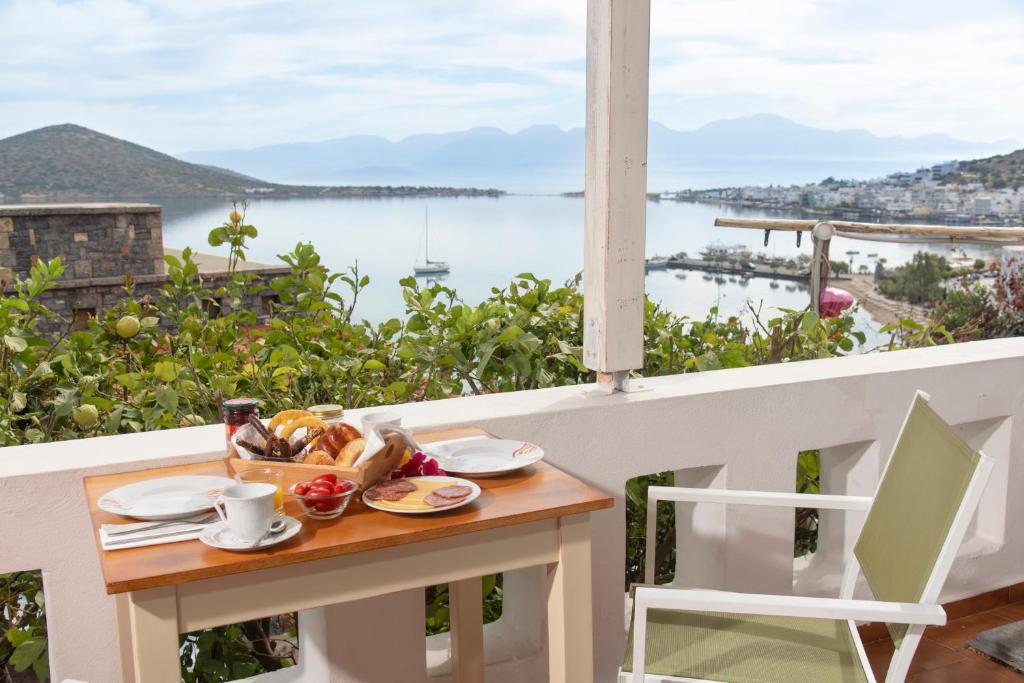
183,358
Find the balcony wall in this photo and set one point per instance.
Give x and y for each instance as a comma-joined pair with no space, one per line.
735,428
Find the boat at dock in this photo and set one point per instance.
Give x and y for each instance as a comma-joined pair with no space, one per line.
656,263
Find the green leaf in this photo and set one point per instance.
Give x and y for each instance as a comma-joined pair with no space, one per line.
16,636
165,371
15,344
417,323
167,398
809,321
113,421
910,323
26,654
18,401
374,364
510,334
41,668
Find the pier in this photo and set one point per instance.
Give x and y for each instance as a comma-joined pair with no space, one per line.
756,269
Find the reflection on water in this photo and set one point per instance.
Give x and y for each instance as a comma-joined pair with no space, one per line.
488,241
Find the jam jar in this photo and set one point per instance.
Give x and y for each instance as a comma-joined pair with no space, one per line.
236,414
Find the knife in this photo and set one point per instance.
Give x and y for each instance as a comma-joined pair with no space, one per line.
156,525
123,541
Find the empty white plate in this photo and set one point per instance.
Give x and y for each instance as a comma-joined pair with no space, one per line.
164,497
218,536
485,457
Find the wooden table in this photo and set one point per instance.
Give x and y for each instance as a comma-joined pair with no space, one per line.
537,516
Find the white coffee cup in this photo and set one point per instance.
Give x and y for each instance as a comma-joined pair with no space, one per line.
379,419
247,509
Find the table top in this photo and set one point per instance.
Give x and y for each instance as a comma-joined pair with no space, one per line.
537,492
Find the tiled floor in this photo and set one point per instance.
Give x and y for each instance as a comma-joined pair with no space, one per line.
942,656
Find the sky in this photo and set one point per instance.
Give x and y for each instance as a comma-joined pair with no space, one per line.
184,75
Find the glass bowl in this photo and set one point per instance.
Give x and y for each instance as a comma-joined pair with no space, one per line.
325,507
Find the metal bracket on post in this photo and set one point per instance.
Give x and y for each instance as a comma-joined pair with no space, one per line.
821,236
611,382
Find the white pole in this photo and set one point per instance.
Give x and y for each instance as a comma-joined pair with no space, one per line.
618,53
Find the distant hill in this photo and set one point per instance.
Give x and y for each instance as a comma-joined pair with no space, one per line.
72,163
493,155
996,173
69,161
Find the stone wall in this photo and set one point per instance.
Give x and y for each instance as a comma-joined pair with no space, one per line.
99,244
78,300
93,240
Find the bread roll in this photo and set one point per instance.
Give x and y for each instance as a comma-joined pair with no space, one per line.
318,458
337,437
352,450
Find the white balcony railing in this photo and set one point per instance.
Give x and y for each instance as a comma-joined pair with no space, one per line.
741,428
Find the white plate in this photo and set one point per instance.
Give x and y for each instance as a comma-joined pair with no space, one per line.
448,480
483,457
218,536
164,497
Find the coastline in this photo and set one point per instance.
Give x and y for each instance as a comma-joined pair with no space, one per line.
883,309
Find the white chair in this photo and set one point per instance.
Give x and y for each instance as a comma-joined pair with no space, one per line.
916,521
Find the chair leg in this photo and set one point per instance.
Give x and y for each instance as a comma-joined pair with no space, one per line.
639,640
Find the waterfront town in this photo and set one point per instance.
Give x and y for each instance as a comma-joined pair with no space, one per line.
941,193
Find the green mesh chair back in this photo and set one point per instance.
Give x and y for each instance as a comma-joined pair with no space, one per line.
913,511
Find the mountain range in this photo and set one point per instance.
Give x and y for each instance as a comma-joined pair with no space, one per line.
73,163
494,155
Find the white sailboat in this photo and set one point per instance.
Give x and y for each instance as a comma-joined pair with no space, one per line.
429,267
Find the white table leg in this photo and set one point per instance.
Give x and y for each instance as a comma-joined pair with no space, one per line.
570,620
154,625
465,607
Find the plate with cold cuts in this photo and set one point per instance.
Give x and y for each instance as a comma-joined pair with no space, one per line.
164,497
421,495
484,457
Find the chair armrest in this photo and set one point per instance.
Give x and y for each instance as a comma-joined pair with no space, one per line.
767,498
688,600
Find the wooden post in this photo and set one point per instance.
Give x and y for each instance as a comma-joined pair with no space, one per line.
821,235
618,47
990,235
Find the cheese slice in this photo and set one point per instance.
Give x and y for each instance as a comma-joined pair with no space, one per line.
414,500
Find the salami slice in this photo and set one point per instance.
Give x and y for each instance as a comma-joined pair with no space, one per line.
386,494
454,492
396,489
434,500
397,485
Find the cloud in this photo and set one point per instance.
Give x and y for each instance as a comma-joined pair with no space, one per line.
188,74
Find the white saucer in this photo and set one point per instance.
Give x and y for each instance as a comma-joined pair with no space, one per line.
218,536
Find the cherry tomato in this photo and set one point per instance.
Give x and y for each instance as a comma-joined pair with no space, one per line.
317,492
327,505
331,479
343,487
301,489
